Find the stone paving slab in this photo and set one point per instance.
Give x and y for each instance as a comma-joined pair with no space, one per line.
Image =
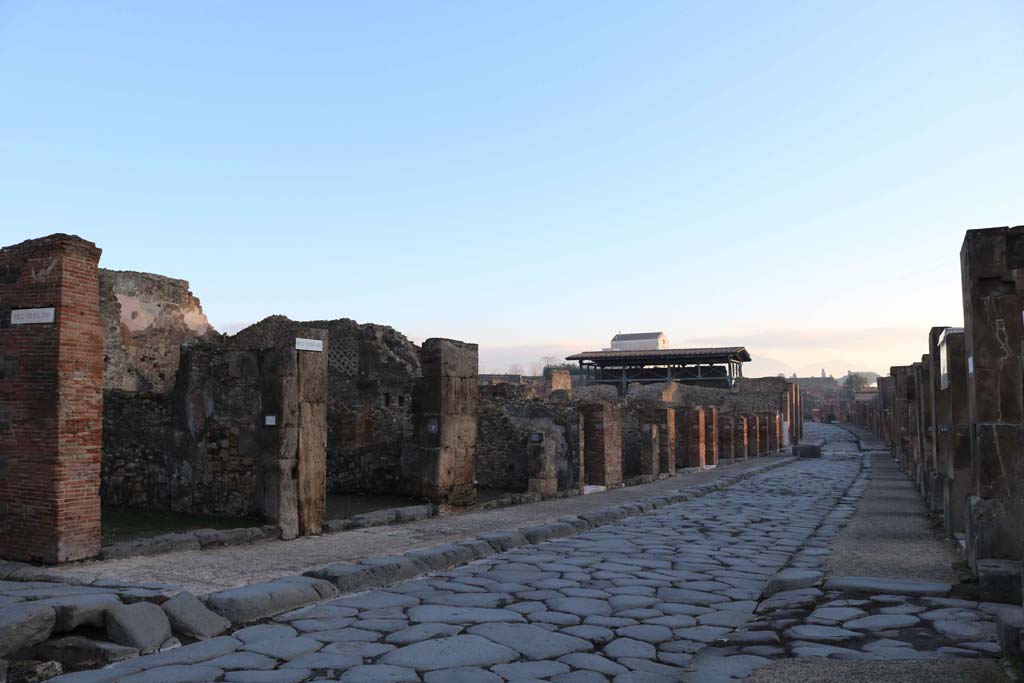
710,588
217,569
618,602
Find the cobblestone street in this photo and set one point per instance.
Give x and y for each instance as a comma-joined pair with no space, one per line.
691,592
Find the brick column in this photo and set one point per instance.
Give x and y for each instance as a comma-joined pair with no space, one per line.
899,415
741,447
934,483
992,270
753,435
711,436
650,452
444,422
51,400
764,434
953,432
727,436
694,435
601,443
667,443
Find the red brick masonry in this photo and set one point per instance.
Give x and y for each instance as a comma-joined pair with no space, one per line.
51,401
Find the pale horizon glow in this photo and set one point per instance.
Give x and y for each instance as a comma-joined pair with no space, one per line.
533,177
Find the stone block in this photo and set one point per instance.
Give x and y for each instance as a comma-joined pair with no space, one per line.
546,532
1009,630
78,652
1000,581
414,513
480,549
157,545
259,601
987,535
142,625
24,625
373,518
33,671
791,579
391,570
504,540
80,610
349,578
212,538
441,557
189,616
807,449
883,586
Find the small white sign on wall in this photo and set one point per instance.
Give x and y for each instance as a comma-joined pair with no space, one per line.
270,420
309,344
970,365
32,316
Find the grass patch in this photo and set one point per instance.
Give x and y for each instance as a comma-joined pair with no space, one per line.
126,525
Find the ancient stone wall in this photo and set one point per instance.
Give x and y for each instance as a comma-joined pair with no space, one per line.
146,319
507,418
372,370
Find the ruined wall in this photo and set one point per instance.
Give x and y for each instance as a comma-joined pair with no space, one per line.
371,373
195,435
193,450
146,319
506,417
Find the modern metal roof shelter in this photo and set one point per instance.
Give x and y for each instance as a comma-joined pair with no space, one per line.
711,367
636,336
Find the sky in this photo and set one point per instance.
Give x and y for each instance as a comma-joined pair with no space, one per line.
795,177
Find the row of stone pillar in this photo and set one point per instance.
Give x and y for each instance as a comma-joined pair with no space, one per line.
672,439
955,420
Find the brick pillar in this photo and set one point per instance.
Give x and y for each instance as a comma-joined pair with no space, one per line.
953,431
51,400
695,434
711,436
913,425
667,443
772,420
992,276
789,416
922,379
741,447
601,443
541,455
753,435
444,423
934,483
763,434
650,452
899,415
799,413
727,436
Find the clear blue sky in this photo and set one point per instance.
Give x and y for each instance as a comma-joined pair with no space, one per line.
533,176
